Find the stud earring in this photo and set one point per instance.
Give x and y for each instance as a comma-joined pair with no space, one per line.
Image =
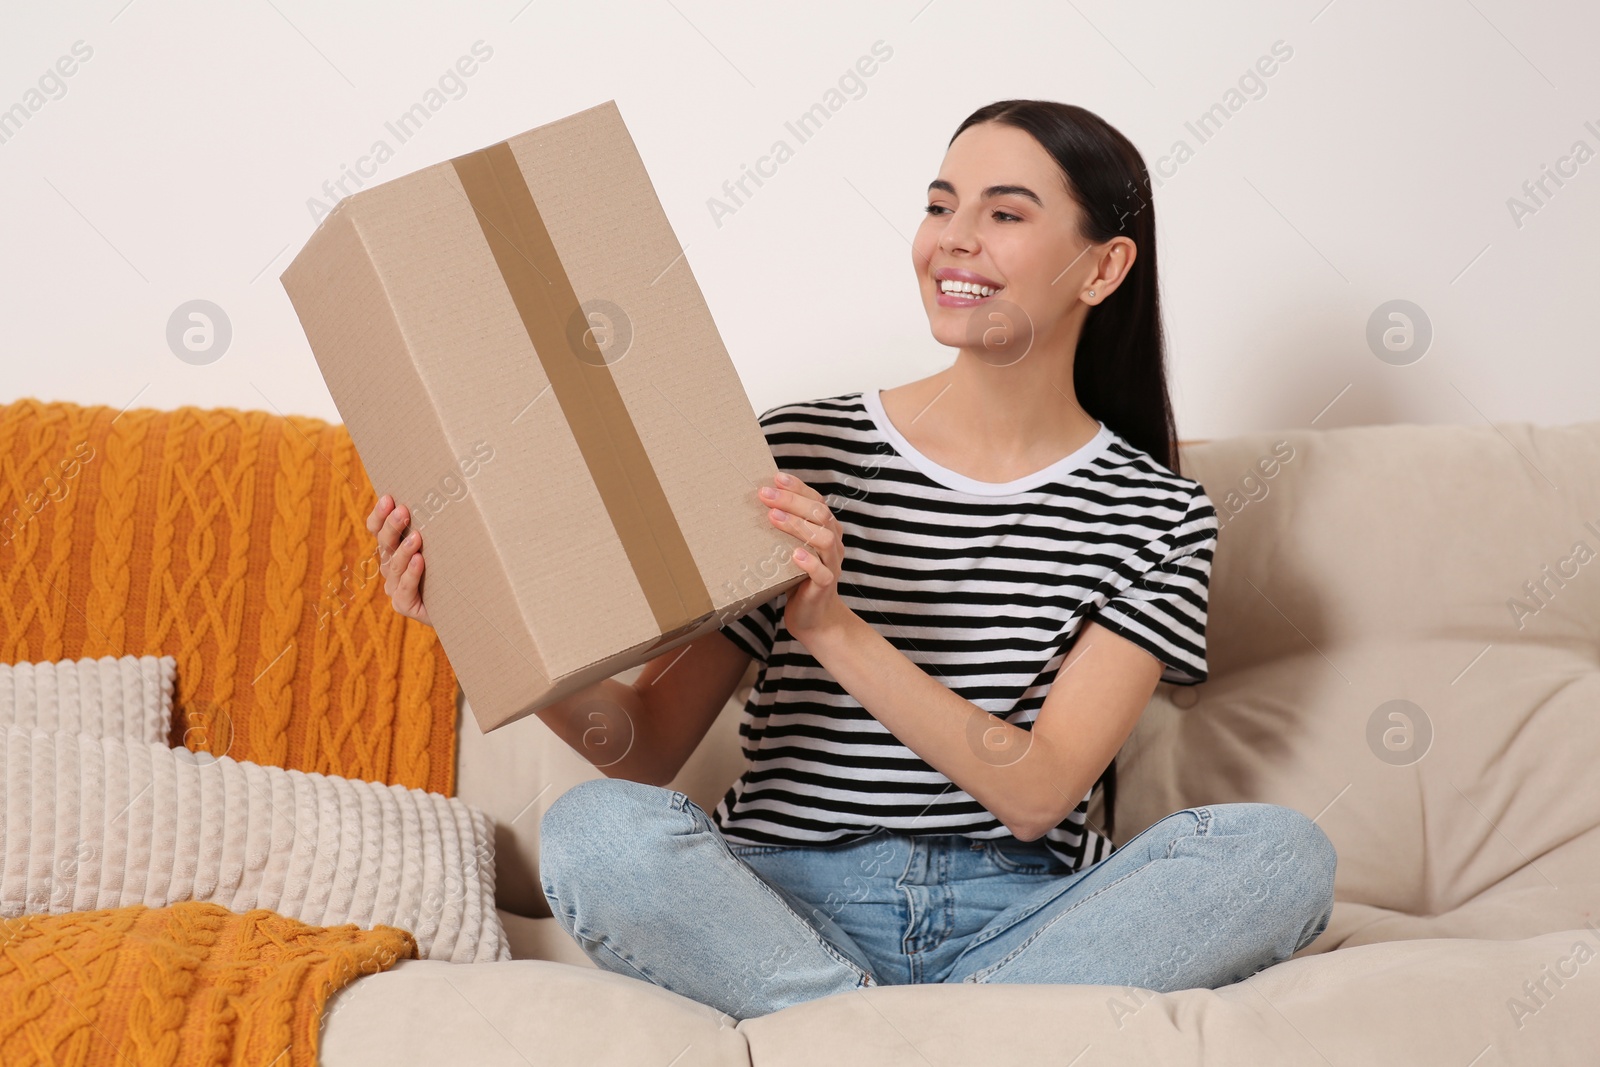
1091,292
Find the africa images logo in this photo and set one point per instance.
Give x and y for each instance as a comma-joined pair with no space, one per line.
451,85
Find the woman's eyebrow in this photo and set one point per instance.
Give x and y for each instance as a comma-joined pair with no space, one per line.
992,191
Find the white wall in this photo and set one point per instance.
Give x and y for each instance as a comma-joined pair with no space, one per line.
1378,164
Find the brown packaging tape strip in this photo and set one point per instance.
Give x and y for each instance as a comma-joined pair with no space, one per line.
621,469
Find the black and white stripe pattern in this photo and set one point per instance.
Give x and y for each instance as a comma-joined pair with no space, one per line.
983,585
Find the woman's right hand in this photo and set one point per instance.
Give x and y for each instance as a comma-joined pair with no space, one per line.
400,561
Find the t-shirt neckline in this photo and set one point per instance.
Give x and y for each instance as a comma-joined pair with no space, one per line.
950,479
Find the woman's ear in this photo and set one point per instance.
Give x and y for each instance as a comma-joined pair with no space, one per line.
1115,260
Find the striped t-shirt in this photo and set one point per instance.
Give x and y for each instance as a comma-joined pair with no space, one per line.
985,586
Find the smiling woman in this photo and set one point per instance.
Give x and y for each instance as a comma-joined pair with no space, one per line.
1003,562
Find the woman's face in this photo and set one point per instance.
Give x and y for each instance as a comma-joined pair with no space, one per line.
999,215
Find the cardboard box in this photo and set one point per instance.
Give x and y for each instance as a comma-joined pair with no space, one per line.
521,354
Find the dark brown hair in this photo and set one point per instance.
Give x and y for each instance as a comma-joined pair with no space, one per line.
1119,370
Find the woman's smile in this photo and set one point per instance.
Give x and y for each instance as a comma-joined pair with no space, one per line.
959,288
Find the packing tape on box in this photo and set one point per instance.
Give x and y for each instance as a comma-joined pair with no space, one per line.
618,463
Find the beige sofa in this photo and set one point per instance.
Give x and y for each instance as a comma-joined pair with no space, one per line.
1369,667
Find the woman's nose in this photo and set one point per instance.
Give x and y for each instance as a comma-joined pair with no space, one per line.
957,234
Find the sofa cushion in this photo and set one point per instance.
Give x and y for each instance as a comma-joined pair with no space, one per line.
520,1012
93,823
1427,1003
1403,635
1435,1003
113,696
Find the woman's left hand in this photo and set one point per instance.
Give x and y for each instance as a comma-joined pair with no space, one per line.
796,508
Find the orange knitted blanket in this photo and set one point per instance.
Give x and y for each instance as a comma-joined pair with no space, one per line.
235,541
191,985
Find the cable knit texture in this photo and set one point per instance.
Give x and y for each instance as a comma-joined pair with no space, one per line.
236,542
191,985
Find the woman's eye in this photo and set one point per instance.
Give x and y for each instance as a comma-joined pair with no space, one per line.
1007,216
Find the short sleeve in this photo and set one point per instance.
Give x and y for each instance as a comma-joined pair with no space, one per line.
754,630
1163,611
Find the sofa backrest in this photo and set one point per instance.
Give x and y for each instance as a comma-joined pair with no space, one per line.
1404,644
1403,638
516,772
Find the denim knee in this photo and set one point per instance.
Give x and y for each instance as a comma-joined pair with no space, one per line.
1314,852
1311,870
594,820
1300,855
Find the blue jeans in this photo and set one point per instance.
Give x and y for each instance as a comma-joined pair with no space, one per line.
647,885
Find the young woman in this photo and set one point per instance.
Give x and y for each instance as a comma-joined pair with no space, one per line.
1002,565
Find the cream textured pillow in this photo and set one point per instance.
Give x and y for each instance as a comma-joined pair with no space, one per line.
89,823
128,697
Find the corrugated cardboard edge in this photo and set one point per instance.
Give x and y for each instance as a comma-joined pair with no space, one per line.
338,246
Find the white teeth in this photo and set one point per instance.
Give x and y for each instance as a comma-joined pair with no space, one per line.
966,288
